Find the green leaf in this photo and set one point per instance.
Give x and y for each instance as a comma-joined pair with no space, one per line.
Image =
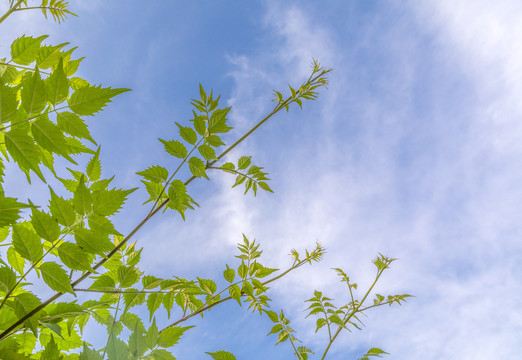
34,93
8,103
74,258
50,137
91,242
24,50
45,225
156,174
151,338
262,271
93,169
242,271
62,210
133,299
244,162
128,276
7,279
77,83
73,125
56,277
23,150
214,140
177,195
88,100
171,335
49,56
162,354
222,355
217,122
51,351
15,260
102,225
188,134
263,185
207,152
57,85
104,282
153,303
199,124
117,349
108,202
197,167
82,202
272,315
9,210
174,148
27,243
202,94
229,274
136,341
25,303
207,285
235,292
89,354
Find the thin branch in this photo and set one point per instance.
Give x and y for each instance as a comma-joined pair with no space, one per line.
10,11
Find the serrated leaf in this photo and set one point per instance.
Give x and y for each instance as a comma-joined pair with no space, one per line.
82,201
222,355
93,169
162,354
45,225
199,124
117,349
73,125
34,93
187,134
88,100
101,225
74,257
8,103
77,82
177,195
24,303
174,148
50,137
272,315
62,210
23,150
128,276
108,202
89,354
171,335
207,152
207,285
153,303
235,292
24,50
229,274
57,85
56,277
49,56
7,279
15,260
91,242
104,282
156,174
214,141
217,121
263,185
51,351
197,167
9,210
244,162
262,271
27,243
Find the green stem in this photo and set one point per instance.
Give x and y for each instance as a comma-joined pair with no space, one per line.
144,221
10,11
352,313
112,327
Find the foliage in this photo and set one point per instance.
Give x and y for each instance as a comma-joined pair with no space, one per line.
71,247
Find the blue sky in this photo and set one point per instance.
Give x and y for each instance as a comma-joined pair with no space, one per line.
413,152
